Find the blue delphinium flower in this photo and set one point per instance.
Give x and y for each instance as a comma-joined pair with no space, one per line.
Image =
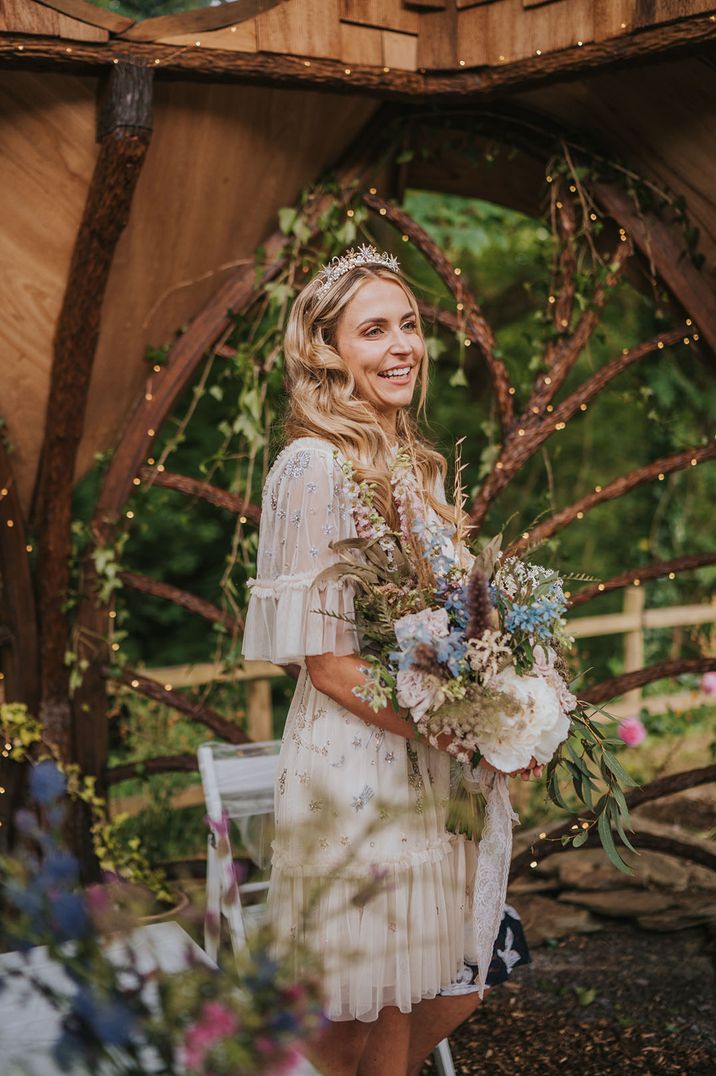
536,619
68,916
450,651
456,604
109,1017
47,783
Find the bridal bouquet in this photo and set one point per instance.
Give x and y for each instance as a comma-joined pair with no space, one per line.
474,647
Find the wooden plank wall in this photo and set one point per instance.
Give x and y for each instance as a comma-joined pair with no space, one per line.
394,34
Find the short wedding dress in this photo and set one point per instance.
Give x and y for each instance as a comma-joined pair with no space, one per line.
364,869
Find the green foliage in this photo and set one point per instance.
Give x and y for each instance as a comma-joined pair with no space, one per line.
147,9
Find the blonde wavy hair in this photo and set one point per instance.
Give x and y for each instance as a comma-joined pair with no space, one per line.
321,391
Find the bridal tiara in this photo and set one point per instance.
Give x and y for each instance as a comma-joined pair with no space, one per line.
365,255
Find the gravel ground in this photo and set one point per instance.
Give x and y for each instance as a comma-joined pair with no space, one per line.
619,1001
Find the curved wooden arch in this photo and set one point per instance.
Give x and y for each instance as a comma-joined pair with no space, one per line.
523,434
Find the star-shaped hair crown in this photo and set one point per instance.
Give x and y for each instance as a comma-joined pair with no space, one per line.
365,255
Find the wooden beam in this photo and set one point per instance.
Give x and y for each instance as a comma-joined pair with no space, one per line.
184,598
90,13
144,767
656,570
220,65
221,726
691,457
619,685
124,133
663,247
194,487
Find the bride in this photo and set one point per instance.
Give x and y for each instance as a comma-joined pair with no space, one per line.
365,871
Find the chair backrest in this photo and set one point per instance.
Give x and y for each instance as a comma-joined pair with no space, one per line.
238,778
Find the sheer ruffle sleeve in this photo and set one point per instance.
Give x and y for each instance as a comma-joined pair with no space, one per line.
303,509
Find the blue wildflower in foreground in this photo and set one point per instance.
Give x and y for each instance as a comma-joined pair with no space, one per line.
47,783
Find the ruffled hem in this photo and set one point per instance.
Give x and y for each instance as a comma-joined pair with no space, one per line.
357,867
394,939
290,618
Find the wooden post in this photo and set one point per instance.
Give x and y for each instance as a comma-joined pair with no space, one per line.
259,709
634,644
124,126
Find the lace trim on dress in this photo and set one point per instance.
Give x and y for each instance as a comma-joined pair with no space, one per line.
272,588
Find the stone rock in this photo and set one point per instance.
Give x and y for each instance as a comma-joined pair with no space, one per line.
543,918
622,903
692,910
530,884
590,869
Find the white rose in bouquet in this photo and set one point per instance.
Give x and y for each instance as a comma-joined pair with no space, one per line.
537,728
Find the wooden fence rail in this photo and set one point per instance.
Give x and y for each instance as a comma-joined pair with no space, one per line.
632,621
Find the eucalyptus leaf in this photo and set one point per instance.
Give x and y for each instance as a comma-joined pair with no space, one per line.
618,770
605,835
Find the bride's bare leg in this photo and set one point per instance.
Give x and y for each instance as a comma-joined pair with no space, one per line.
386,1050
338,1049
433,1020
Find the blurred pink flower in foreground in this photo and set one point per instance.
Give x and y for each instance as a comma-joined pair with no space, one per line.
631,731
708,683
216,1022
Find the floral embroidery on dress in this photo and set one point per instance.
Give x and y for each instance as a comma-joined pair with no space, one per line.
364,796
297,464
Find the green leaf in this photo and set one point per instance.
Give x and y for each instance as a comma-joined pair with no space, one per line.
606,837
585,995
618,770
619,823
458,379
555,794
286,217
580,838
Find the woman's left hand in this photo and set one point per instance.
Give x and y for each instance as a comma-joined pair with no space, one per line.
534,769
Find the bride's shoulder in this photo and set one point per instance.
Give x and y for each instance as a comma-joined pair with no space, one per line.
298,455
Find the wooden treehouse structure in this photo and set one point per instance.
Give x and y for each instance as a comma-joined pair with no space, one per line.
144,163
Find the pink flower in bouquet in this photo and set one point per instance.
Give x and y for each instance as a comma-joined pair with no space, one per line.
434,621
708,683
544,659
631,731
216,1021
418,691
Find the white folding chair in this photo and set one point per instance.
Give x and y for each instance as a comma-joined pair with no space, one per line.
238,782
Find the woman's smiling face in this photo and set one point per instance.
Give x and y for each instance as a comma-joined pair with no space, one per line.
379,340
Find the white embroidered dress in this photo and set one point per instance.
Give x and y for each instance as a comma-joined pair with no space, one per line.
363,866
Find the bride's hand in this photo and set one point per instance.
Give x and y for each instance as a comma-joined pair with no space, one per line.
534,769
